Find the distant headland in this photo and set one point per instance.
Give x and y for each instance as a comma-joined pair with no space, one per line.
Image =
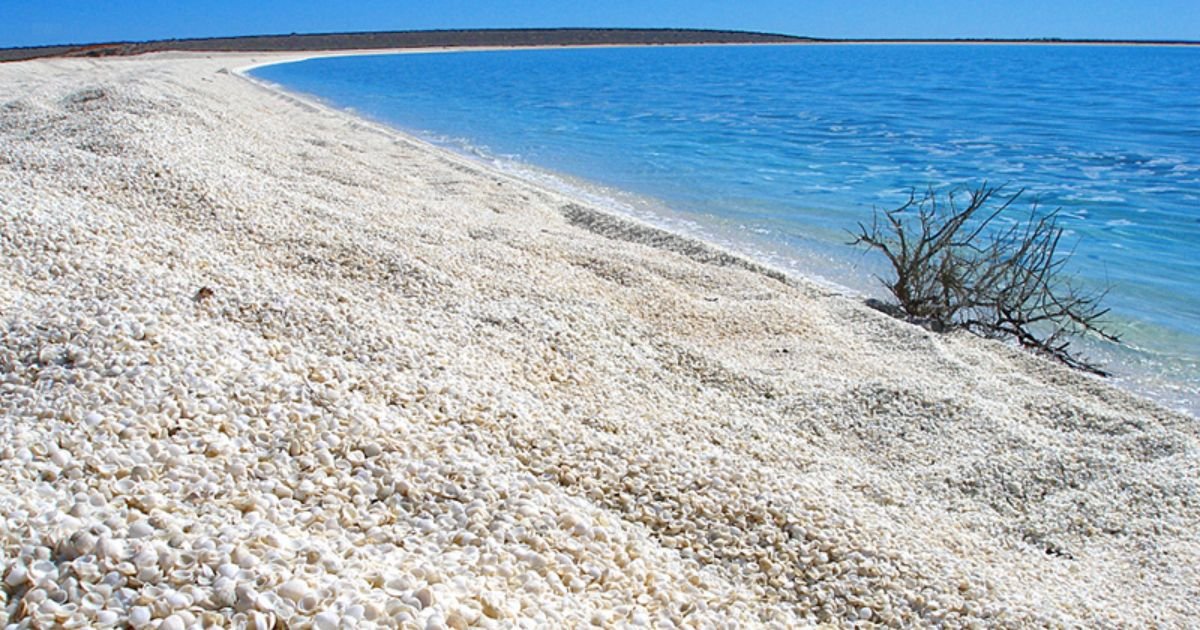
487,38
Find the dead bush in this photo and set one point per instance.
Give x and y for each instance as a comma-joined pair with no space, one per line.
968,266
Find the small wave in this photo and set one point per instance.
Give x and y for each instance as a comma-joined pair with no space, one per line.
1094,198
1164,161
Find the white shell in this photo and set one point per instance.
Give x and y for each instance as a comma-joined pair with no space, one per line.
173,622
42,570
293,590
327,620
176,600
141,529
17,574
139,616
308,603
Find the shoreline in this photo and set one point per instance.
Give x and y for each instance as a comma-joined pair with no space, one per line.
317,54
568,189
286,366
1146,383
562,187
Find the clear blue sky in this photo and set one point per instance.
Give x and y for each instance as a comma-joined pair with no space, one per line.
33,22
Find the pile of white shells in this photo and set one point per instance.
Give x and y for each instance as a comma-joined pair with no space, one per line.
264,365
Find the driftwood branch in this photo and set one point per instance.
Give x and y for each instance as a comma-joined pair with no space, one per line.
955,266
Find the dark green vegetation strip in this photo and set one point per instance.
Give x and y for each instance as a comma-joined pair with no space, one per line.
408,39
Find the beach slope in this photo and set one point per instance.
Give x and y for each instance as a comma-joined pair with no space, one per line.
265,362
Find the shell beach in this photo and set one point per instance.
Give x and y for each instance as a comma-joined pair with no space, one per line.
264,364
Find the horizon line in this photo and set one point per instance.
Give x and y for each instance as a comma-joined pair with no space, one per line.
753,35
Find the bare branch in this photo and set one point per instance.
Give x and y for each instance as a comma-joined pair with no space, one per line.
958,269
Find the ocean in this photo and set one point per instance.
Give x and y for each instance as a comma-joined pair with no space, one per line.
778,152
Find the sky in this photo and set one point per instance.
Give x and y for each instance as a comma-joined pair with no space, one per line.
40,22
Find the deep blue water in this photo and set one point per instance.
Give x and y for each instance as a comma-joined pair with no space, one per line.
779,150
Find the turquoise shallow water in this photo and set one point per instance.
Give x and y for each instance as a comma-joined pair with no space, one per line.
779,150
